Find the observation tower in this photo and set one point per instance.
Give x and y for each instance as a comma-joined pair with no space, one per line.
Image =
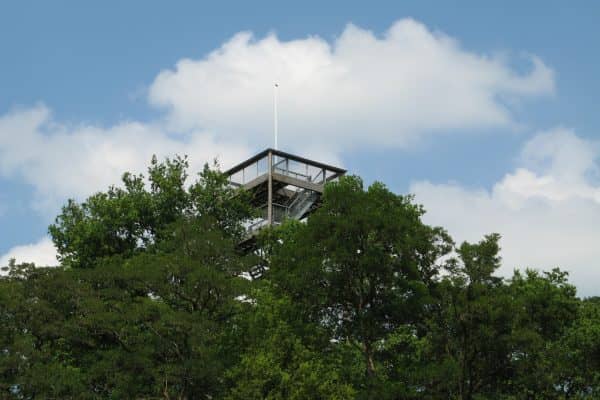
282,186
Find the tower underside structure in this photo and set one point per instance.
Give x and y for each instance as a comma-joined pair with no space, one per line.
282,186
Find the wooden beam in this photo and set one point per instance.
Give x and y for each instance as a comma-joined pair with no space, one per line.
256,182
297,182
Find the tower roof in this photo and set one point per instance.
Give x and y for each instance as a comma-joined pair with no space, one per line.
336,170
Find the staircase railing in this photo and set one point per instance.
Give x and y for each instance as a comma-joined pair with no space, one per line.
302,203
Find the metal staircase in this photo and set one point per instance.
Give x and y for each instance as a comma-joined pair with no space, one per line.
302,204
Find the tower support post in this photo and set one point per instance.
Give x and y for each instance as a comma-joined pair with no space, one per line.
270,188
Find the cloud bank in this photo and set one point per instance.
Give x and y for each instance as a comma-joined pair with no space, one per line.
359,90
62,161
547,210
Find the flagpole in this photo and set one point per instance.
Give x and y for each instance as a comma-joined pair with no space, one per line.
275,112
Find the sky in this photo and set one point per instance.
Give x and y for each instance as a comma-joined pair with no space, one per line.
486,112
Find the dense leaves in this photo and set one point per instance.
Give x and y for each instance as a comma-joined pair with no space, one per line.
361,265
361,301
129,219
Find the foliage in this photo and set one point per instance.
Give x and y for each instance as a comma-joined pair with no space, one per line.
361,301
361,265
279,362
128,220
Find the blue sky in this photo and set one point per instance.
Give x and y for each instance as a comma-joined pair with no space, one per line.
486,138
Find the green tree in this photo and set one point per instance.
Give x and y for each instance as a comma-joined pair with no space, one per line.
285,358
544,306
181,303
361,301
128,220
471,324
34,361
490,338
156,324
144,302
577,355
361,266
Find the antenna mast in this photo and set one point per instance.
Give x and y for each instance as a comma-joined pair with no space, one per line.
275,112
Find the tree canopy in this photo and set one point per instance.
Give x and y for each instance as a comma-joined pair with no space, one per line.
363,300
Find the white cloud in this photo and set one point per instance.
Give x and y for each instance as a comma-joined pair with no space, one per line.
42,253
359,90
547,210
62,161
